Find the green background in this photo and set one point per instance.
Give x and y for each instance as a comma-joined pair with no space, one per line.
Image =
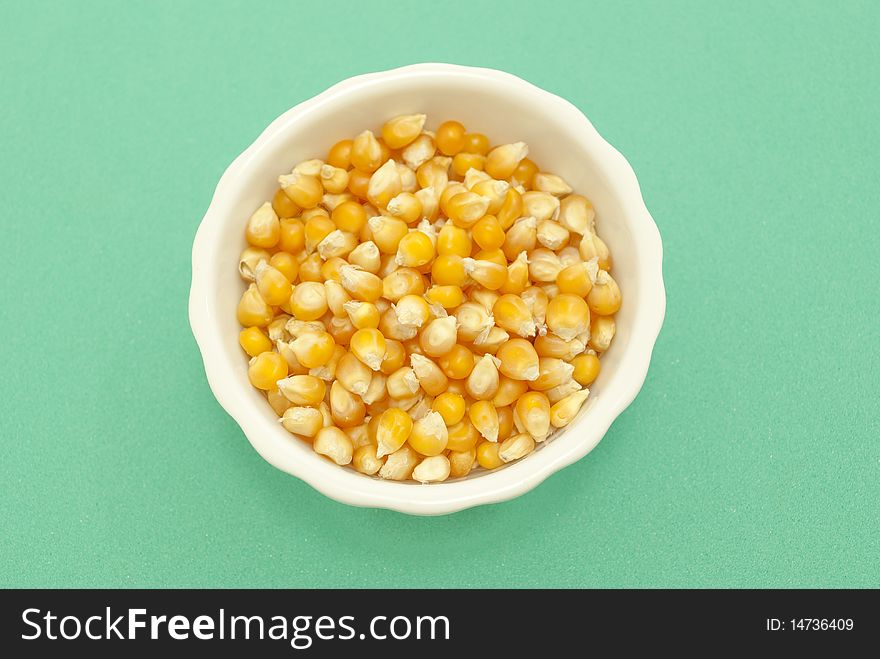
751,456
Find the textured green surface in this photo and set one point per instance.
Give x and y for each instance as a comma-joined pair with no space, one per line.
751,456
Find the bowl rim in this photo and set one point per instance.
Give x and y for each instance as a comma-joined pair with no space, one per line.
352,488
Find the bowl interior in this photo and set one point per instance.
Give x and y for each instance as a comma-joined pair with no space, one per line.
506,111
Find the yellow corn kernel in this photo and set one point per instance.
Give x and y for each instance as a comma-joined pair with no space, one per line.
304,190
602,329
429,375
385,184
450,406
330,269
544,265
353,374
263,227
537,300
563,412
412,310
457,387
586,368
429,199
450,137
525,172
341,329
465,208
434,173
333,179
337,244
395,356
317,228
503,160
277,329
552,235
509,390
482,383
419,151
476,143
511,209
253,310
359,436
324,409
361,285
532,415
575,279
517,275
576,214
303,389
483,296
447,296
368,345
249,260
414,249
366,256
516,447
567,316
464,162
448,270
376,391
491,255
487,232
387,232
337,297
401,282
405,206
286,264
569,255
308,301
490,341
277,401
362,314
485,419
402,383
283,205
461,462
266,369
291,236
521,237
254,341
402,130
286,352
552,372
387,265
473,319
406,404
334,444
487,455
309,167
434,469
513,314
303,421
346,408
400,464
453,241
327,371
392,328
365,460
557,393
550,345
366,152
314,349
457,363
592,247
518,360
429,435
551,184
439,336
540,205
495,192
340,154
349,216
604,297
487,273
505,422
310,269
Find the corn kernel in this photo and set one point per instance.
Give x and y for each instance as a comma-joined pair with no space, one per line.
604,297
551,373
487,232
516,447
401,282
429,435
308,301
366,152
349,216
464,162
366,257
540,205
303,421
333,443
402,383
511,209
314,349
327,372
512,314
419,151
461,462
550,345
559,392
266,369
402,130
361,285
447,296
521,237
509,390
346,408
249,260
450,406
399,465
341,329
457,363
283,205
368,345
278,402
453,241
405,206
366,461
602,329
286,264
576,214
502,161
385,184
563,412
575,279
432,470
487,455
412,310
487,273
415,249
253,310
586,368
482,383
362,314
567,316
387,232
439,336
552,235
592,247
429,375
485,419
304,190
434,173
263,227
532,415
465,208
519,360
254,341
494,191
302,389
476,143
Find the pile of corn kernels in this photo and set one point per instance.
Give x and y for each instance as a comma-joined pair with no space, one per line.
422,303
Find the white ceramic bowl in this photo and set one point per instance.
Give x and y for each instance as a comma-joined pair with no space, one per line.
507,109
